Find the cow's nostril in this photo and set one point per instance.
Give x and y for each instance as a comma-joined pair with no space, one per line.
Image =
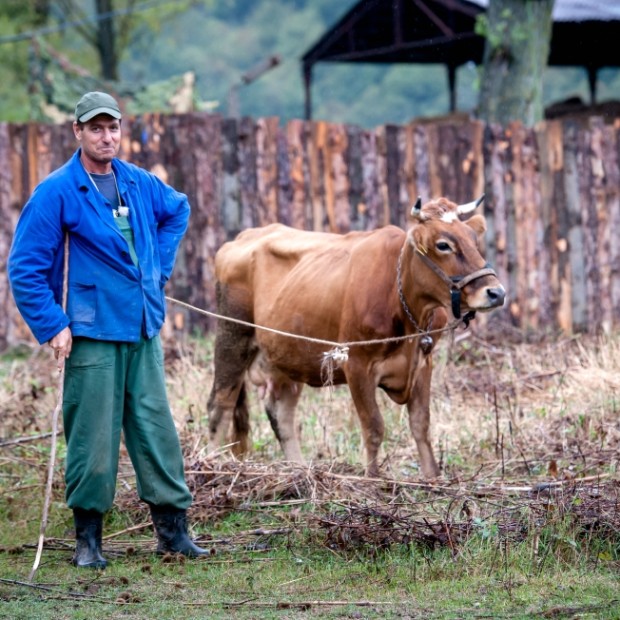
496,295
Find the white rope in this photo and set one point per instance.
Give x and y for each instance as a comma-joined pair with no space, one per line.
339,351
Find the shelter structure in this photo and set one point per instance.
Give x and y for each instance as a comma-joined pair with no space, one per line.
443,32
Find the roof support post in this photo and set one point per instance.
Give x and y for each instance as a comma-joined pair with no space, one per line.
452,86
307,71
592,78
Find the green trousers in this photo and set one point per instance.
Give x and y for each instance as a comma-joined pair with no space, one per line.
112,387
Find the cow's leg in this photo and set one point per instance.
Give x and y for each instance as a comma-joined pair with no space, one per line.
241,425
235,349
363,392
280,407
226,405
419,419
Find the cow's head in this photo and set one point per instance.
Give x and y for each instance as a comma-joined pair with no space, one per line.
453,268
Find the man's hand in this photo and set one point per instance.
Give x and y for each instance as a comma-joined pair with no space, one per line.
61,345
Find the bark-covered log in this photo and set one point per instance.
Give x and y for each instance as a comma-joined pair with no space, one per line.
357,205
338,180
231,200
576,242
248,176
9,321
267,170
316,154
297,140
372,196
611,159
553,241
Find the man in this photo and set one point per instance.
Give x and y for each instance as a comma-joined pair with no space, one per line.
124,227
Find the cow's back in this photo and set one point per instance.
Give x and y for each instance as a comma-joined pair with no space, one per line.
235,262
301,281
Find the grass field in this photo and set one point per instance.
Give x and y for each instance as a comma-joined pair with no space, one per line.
523,523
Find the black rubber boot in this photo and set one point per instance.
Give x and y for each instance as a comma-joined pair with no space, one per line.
88,526
171,529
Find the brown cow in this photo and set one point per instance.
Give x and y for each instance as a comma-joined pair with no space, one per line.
380,285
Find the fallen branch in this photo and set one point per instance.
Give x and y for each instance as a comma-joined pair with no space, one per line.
20,440
308,604
128,530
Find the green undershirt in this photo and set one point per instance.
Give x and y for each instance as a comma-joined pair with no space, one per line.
122,221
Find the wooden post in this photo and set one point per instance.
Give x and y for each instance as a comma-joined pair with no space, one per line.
496,148
8,221
554,310
231,201
299,173
267,170
373,199
575,236
611,157
393,205
337,174
284,185
248,175
408,184
422,159
357,203
316,153
602,212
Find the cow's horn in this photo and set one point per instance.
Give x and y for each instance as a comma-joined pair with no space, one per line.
417,207
470,206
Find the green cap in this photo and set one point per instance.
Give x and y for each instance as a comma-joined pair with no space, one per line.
95,103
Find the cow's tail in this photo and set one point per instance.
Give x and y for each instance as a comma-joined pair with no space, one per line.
241,424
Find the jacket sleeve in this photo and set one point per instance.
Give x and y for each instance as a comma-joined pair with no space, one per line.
35,265
172,214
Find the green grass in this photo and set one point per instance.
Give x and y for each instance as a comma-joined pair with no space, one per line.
290,581
301,574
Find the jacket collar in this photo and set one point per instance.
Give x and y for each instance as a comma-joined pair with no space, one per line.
84,180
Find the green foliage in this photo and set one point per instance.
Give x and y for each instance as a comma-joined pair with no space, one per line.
220,41
503,34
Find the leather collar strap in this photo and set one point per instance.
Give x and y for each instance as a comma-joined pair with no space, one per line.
456,283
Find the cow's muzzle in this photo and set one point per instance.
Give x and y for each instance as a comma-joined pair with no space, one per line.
456,284
495,295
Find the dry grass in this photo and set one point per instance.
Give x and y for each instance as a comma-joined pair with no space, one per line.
527,434
499,407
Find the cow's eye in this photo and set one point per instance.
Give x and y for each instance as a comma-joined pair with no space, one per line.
443,246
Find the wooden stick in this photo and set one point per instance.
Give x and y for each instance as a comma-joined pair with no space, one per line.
58,408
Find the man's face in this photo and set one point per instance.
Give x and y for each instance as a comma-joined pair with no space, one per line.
100,138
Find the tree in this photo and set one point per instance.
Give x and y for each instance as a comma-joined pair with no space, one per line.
518,38
107,32
92,36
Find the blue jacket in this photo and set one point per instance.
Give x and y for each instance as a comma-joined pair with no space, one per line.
108,297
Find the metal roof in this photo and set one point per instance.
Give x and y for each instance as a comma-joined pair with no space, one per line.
578,10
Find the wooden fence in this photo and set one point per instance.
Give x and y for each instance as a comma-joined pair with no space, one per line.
552,197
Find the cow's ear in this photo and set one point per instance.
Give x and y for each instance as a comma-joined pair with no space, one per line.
477,223
419,238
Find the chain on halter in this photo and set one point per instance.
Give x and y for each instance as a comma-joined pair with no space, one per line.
426,342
